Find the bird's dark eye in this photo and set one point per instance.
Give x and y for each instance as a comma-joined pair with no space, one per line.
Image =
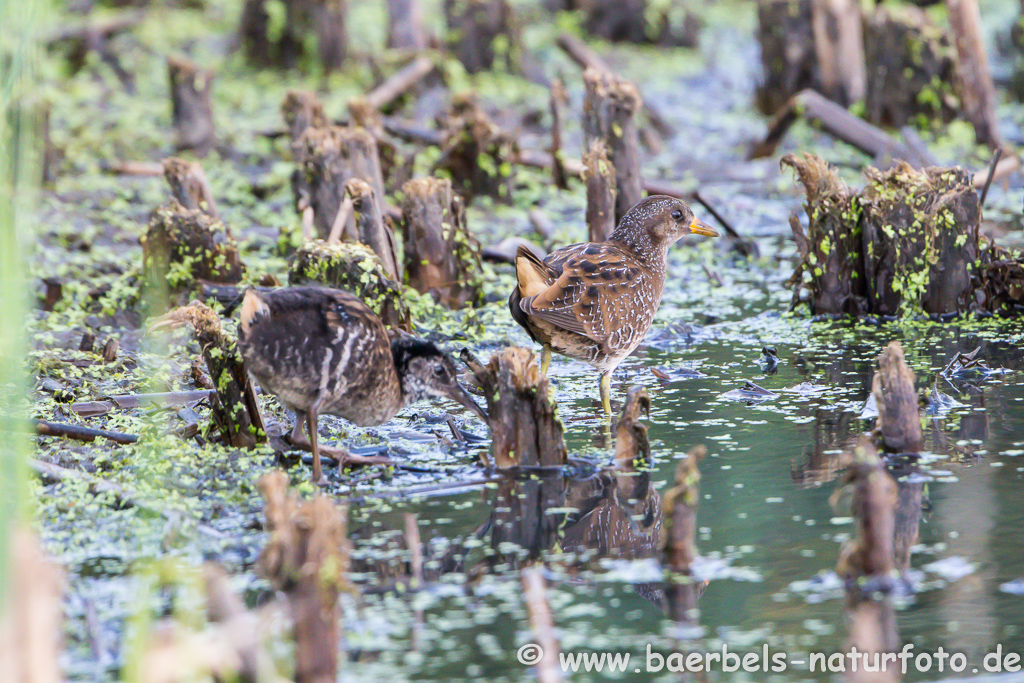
677,215
438,371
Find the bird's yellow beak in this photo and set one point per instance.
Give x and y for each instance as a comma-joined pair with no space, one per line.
698,228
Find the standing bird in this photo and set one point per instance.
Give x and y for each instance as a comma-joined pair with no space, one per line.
595,301
324,351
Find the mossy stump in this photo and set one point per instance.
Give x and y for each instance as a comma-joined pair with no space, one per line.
907,242
191,111
920,232
899,423
831,267
521,413
186,246
354,268
327,159
599,175
442,258
475,153
912,68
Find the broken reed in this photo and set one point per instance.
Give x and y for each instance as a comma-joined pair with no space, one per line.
20,175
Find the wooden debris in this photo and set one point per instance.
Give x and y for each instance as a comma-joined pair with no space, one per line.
236,412
442,258
542,624
557,99
599,175
474,27
356,269
976,90
405,26
786,36
679,531
899,422
913,65
278,46
53,293
307,557
524,425
328,158
402,81
835,121
839,48
30,624
189,185
475,153
95,37
192,113
183,245
238,628
81,433
609,115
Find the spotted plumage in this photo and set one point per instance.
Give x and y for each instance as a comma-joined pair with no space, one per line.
324,351
595,301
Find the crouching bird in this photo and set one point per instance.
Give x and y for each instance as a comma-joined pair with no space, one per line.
595,301
324,351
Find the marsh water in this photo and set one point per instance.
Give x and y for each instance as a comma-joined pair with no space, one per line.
768,534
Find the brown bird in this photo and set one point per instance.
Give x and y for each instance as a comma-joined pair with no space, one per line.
595,301
324,351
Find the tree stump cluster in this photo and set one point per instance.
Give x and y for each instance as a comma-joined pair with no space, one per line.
442,258
354,268
635,21
907,242
521,414
185,246
475,153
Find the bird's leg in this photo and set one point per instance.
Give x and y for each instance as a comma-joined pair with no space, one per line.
311,416
297,437
606,390
545,359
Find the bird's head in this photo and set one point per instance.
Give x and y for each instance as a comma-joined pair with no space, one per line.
662,220
427,371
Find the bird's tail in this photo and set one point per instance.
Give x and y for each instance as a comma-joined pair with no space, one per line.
253,306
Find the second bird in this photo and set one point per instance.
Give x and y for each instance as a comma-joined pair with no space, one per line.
595,301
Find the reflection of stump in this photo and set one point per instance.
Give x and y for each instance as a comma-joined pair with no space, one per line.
328,158
616,20
190,105
920,232
912,64
525,429
609,115
475,153
307,557
787,51
832,267
474,28
899,423
353,268
442,257
183,245
678,533
600,178
873,504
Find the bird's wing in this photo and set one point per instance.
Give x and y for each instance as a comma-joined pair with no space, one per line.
586,292
534,275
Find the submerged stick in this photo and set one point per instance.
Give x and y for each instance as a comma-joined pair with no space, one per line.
81,433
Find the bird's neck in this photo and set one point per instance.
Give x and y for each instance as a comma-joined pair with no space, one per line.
652,254
405,394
